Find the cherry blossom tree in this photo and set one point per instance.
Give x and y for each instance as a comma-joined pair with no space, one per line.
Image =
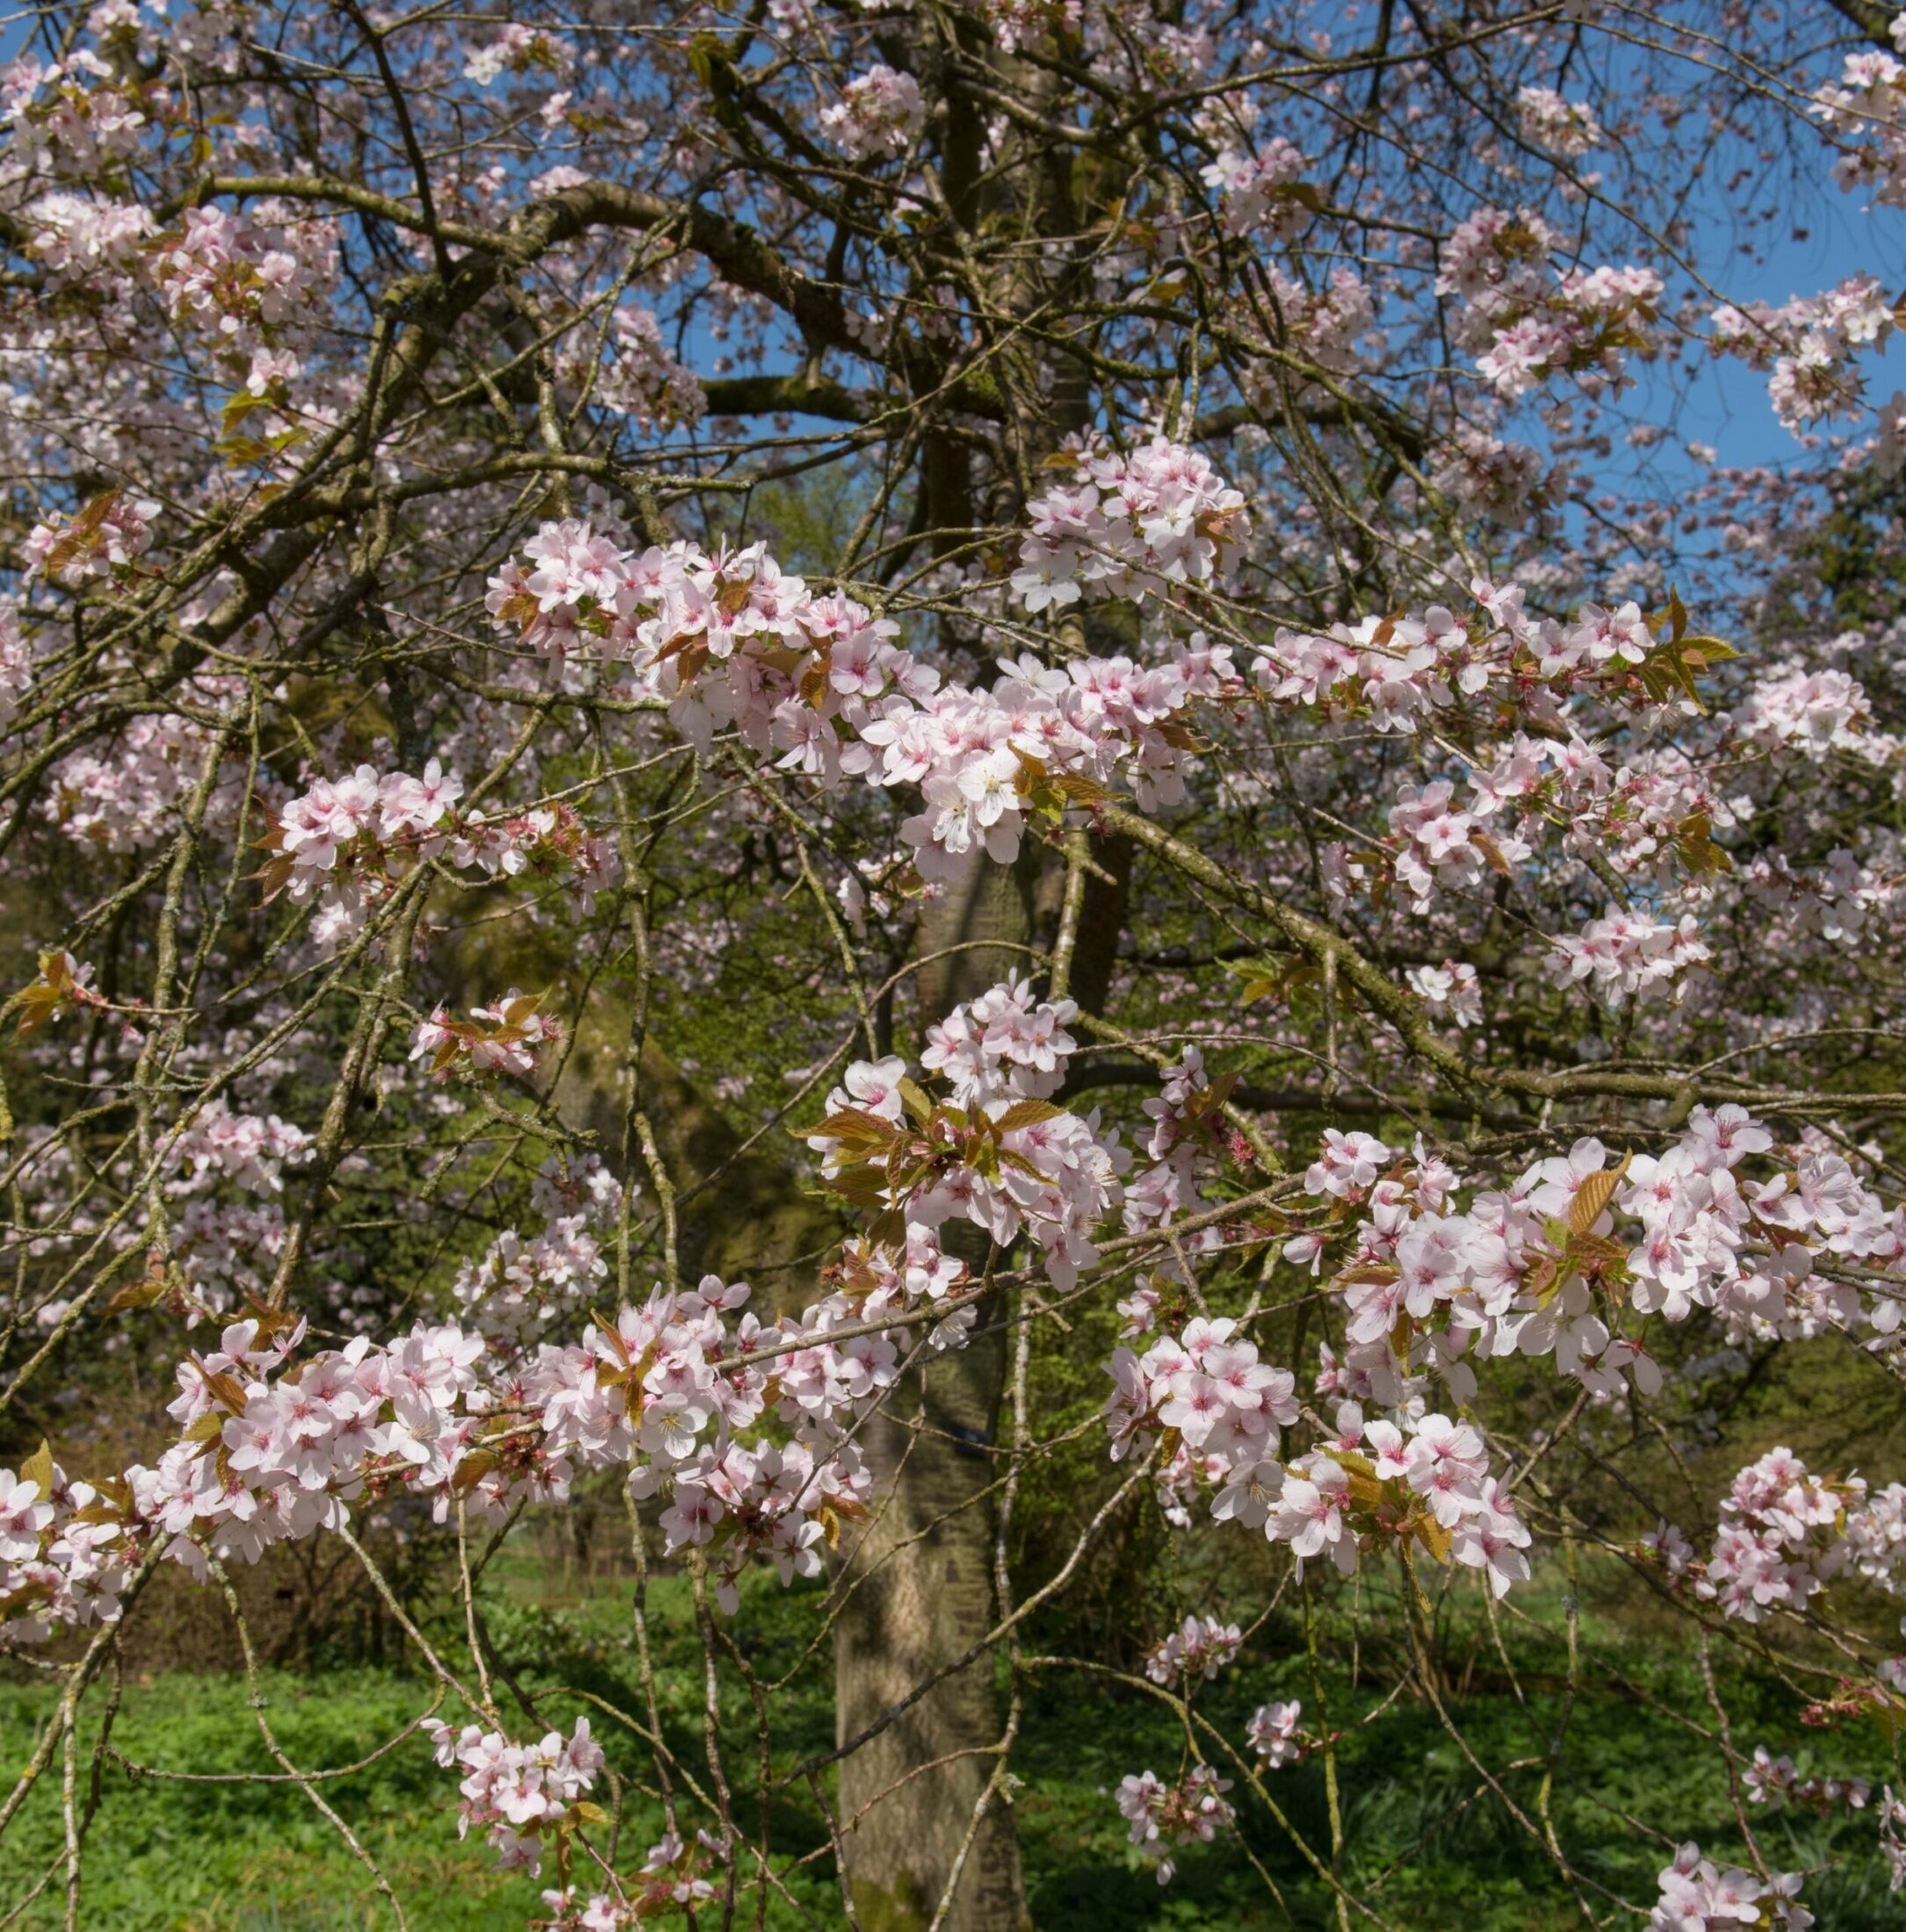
718,723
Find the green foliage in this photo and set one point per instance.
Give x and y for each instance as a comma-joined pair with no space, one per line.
1848,566
1424,1838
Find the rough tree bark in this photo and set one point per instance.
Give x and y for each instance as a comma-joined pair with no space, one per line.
920,1581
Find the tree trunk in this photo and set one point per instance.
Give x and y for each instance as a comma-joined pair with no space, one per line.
920,1581
920,1577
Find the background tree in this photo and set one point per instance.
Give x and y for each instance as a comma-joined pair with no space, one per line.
740,742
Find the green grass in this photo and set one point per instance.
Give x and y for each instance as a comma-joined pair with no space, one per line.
195,1857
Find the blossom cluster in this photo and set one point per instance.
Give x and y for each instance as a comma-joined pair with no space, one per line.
1159,1816
1627,953
878,114
1188,1130
1328,322
125,795
1530,323
1866,111
1750,1252
269,1450
1489,476
1272,1734
997,1152
250,1150
1019,23
1562,126
227,1171
1654,819
1892,1816
519,49
1786,1533
1131,523
273,1445
67,1549
274,1448
16,665
1537,1268
344,843
1222,1407
670,1880
1430,1489
105,537
1398,672
1217,1409
1039,741
661,1390
224,1252
518,1793
643,380
503,1038
322,830
876,1277
1768,1778
1815,712
1201,1647
520,1286
729,640
1697,1896
1451,988
1255,191
74,117
244,279
1812,345
220,1170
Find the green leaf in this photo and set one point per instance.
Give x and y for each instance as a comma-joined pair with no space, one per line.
861,1187
853,1128
141,1294
38,1468
238,408
471,1470
1593,1195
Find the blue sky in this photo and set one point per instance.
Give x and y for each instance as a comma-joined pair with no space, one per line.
1833,236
